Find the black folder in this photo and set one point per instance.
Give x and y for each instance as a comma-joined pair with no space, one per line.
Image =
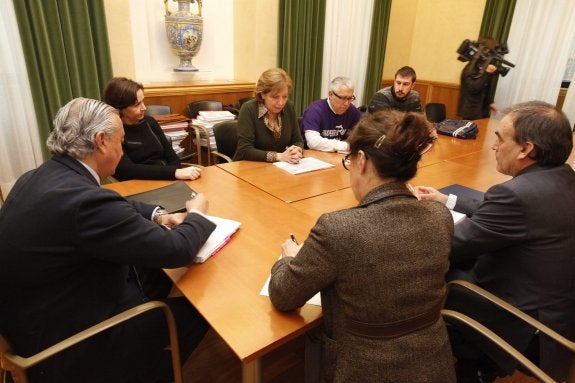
464,191
172,197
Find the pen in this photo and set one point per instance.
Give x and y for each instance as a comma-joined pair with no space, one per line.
293,238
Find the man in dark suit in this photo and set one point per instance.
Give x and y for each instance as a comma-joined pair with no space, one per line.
69,255
519,242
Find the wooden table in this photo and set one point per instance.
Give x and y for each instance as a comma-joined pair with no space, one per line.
270,203
292,187
225,289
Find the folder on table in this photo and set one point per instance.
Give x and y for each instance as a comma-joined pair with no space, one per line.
225,228
464,191
172,197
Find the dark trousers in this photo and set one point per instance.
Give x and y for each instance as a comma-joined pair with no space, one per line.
475,353
136,351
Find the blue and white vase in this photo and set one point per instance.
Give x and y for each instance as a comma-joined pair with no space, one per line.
184,30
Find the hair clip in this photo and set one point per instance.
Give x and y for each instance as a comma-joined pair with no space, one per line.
379,141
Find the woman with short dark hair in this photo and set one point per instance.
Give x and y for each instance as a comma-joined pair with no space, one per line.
148,154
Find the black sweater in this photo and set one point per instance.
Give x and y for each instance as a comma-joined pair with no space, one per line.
148,154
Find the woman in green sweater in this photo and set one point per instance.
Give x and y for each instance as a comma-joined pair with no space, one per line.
267,126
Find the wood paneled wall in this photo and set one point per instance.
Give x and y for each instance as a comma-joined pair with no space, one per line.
179,94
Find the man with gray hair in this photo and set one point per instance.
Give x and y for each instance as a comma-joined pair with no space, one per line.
69,253
326,123
518,243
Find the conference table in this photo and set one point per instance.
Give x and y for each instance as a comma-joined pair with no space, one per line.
271,203
226,288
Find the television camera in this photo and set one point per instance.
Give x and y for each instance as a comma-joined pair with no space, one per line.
484,55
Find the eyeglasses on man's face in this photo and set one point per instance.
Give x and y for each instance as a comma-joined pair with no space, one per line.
348,99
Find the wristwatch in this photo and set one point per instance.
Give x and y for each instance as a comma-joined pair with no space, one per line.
157,214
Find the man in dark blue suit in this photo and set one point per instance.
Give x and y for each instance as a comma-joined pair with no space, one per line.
69,255
519,242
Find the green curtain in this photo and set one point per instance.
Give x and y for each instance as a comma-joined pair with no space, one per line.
496,23
300,48
377,42
67,54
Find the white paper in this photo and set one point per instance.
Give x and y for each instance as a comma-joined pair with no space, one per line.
306,164
315,300
220,236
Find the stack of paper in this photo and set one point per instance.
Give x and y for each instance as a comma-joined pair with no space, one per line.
175,127
218,239
207,120
216,115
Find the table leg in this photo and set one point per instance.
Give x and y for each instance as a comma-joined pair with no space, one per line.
252,371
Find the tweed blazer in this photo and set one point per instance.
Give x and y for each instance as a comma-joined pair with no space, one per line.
380,262
521,242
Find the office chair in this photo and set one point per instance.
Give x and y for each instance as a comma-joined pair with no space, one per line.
156,109
196,106
16,366
435,112
242,101
194,109
521,359
226,135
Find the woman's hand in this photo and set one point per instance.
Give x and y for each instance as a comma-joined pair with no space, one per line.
290,248
293,155
189,173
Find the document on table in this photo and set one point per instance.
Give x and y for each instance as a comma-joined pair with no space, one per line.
315,300
306,164
218,239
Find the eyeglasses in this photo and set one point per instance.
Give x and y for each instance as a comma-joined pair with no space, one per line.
345,161
426,147
349,99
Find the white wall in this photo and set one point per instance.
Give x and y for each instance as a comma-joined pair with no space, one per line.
153,59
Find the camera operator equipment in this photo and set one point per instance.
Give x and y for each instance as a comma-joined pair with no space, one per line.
485,63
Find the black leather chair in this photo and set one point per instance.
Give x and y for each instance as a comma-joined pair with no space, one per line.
196,106
242,101
435,112
226,135
156,109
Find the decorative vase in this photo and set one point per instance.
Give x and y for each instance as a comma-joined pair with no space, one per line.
184,30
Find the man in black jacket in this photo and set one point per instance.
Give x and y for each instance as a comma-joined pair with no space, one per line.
475,98
68,256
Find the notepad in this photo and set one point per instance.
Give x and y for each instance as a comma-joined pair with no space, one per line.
307,164
222,234
172,197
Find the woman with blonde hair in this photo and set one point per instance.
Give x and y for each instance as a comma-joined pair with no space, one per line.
267,126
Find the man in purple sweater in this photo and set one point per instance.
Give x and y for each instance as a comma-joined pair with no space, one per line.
326,123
